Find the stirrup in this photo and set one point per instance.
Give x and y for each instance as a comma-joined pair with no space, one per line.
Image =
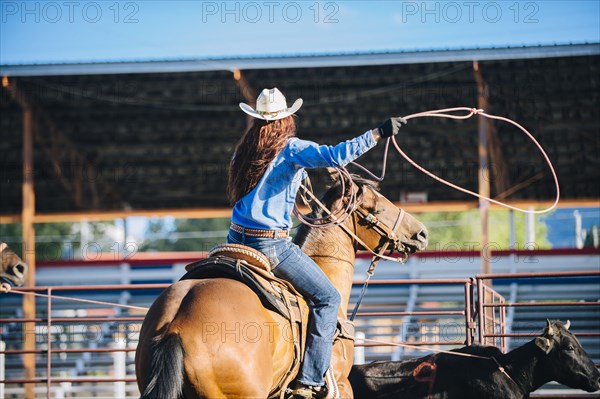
302,391
328,391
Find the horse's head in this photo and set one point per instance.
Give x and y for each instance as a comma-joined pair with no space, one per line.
378,221
566,360
12,268
375,220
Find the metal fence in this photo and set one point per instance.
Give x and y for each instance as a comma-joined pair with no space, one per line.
483,315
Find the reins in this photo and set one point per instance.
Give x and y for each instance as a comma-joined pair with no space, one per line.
374,262
383,230
351,205
370,273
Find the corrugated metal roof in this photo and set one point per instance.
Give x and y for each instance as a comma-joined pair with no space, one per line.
303,61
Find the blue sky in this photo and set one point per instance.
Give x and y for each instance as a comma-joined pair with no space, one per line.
58,31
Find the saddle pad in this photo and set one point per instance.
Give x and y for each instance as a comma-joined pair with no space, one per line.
225,267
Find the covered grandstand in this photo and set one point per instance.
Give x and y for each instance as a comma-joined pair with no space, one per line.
158,135
112,140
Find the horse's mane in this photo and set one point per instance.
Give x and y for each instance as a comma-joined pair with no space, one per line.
334,192
331,196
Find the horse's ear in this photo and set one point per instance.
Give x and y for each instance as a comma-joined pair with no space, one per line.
568,324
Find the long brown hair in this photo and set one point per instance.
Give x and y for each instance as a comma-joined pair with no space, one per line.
256,149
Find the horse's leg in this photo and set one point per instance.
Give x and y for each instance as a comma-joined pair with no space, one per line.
232,345
157,320
217,324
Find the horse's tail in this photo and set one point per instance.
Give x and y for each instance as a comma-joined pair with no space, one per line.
166,375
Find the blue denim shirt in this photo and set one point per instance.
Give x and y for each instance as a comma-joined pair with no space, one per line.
269,205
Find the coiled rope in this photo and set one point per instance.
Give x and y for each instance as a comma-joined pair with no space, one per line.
444,113
336,216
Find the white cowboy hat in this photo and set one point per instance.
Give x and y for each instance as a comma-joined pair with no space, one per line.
271,105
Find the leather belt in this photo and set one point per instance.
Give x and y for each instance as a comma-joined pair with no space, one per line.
259,233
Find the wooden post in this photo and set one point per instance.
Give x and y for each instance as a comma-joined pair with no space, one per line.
484,173
487,318
27,218
247,91
28,231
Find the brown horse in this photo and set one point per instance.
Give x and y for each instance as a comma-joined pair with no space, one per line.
213,338
12,269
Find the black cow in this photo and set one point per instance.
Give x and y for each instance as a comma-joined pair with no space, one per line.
556,355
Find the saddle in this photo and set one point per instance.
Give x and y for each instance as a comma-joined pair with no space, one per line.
252,268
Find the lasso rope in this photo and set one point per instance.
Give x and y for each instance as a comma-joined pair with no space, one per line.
444,113
439,113
421,348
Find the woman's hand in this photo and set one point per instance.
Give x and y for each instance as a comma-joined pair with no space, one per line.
391,127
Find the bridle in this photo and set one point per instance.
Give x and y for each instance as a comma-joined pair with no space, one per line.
355,208
360,214
387,234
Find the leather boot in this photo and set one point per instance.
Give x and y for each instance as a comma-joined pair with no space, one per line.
302,391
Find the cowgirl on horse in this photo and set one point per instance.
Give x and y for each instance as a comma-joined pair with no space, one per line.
266,171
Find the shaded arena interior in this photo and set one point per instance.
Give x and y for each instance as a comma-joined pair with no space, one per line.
159,134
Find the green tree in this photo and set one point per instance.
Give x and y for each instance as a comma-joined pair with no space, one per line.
185,234
50,238
462,230
56,241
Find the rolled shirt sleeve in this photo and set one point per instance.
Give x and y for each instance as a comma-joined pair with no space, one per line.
308,154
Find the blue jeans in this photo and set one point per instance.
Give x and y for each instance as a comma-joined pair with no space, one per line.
288,262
